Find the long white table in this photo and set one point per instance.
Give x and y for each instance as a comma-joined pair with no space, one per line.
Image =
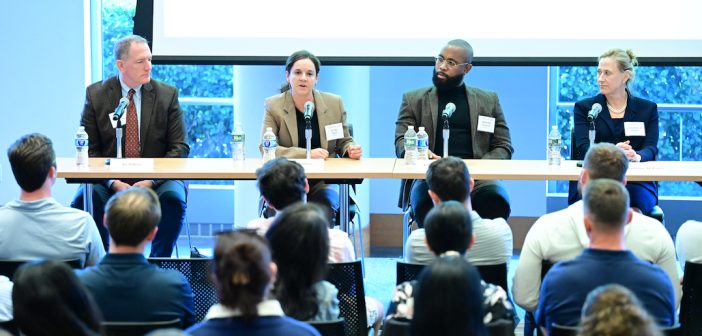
347,171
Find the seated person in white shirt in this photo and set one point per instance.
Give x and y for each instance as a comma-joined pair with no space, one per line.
281,183
449,180
36,226
561,235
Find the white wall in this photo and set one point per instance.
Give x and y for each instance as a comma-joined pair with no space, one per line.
42,79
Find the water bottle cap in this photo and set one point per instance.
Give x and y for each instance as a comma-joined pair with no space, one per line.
555,127
269,129
421,128
81,128
410,127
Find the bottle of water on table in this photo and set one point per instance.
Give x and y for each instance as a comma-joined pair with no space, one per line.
554,146
410,146
422,145
238,143
270,143
81,147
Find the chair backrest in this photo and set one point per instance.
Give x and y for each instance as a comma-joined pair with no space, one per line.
329,328
675,330
137,328
691,302
395,327
348,279
10,326
197,271
407,271
560,330
494,274
573,148
500,328
8,267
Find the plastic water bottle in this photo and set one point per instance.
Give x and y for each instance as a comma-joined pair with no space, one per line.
554,146
270,143
238,143
422,145
410,146
81,147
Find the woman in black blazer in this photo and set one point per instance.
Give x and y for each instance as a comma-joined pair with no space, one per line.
626,120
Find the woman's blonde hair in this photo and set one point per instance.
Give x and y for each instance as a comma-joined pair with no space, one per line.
613,310
626,61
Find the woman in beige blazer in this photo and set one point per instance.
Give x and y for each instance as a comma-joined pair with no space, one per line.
330,133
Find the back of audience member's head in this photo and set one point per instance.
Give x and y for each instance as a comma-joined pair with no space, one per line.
48,299
448,299
131,215
448,227
31,158
281,182
299,241
605,160
606,203
449,179
243,271
613,310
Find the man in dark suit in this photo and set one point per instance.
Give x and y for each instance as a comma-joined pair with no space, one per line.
154,128
125,286
478,129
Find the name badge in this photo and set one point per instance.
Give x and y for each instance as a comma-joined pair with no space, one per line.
634,128
114,122
334,131
486,124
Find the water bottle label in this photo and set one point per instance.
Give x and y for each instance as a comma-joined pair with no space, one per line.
410,142
238,137
554,142
422,143
81,142
270,143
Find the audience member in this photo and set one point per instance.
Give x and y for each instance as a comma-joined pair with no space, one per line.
50,300
478,128
613,310
449,231
449,180
281,183
561,235
36,225
125,286
153,128
449,300
687,242
606,261
244,274
300,247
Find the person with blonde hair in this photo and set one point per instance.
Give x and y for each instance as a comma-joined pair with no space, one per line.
628,121
613,310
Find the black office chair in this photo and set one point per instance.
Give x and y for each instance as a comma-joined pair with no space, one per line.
347,277
561,330
137,328
407,271
691,302
494,274
395,327
8,267
10,326
329,328
197,271
500,328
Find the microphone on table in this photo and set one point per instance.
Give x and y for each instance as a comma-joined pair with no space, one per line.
594,112
448,111
309,109
119,110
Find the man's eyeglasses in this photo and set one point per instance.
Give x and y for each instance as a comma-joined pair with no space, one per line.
451,63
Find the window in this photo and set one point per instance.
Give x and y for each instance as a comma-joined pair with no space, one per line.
676,90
